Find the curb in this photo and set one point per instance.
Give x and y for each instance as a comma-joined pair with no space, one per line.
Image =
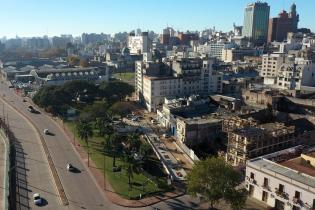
52,167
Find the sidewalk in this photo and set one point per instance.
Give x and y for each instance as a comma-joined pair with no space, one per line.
3,174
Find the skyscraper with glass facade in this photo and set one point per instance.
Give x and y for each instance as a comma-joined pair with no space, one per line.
256,19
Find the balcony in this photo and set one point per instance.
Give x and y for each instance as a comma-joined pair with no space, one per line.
251,180
297,200
281,194
266,187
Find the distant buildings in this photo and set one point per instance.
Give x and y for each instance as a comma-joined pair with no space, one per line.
284,179
256,22
281,25
139,44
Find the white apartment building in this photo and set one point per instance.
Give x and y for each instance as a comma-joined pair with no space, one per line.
284,180
139,44
183,77
214,49
295,75
270,65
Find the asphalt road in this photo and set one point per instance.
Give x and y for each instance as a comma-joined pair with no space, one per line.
32,171
80,188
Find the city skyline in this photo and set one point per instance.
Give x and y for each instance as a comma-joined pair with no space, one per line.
57,17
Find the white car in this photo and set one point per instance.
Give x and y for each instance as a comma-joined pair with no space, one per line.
70,167
46,131
37,199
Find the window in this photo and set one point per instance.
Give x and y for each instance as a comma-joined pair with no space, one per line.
297,195
313,203
264,196
252,175
265,182
281,188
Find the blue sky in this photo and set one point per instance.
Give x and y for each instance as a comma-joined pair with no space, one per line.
55,17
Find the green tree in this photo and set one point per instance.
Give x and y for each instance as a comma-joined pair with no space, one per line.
133,142
115,142
237,198
122,108
145,150
85,131
115,91
212,179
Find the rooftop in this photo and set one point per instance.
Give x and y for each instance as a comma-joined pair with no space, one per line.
288,163
284,169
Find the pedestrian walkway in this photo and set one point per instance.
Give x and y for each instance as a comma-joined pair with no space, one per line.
3,172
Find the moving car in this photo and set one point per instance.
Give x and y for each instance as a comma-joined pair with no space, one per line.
30,109
70,167
37,199
46,131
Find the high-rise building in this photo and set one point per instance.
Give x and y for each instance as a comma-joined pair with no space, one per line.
139,44
256,22
281,25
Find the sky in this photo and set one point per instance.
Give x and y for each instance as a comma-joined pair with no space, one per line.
27,18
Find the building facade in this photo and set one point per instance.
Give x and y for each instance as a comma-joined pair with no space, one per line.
256,22
281,25
139,44
283,180
249,142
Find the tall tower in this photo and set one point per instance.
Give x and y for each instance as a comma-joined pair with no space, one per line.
256,19
295,17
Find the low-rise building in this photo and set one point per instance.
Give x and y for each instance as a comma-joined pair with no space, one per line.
192,131
284,180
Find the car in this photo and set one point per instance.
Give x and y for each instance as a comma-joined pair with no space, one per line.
30,109
70,167
11,86
46,131
37,199
24,100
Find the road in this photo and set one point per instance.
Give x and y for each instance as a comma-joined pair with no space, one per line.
80,188
32,170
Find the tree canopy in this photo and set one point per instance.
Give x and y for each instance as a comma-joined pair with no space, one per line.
116,90
213,179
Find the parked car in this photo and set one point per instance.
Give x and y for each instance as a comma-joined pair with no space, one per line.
37,199
70,167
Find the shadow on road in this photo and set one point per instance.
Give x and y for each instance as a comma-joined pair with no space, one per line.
18,176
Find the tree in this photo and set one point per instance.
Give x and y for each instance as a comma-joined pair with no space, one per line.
73,60
212,179
84,62
237,198
145,150
133,142
115,142
122,108
115,91
85,131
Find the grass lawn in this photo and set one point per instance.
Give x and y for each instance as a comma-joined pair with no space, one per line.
141,184
126,76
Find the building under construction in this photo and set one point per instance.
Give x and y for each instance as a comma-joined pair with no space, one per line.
252,141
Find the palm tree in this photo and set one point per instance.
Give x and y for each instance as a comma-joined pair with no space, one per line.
85,131
133,142
115,141
130,166
100,125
